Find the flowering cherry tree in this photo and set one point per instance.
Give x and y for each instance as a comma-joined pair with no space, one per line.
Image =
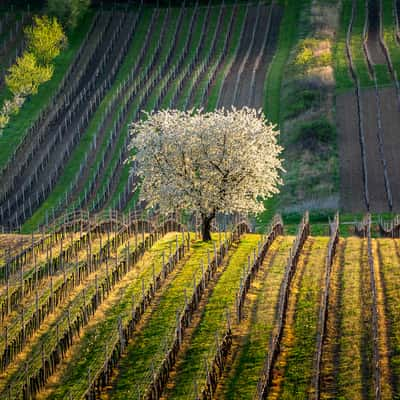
223,161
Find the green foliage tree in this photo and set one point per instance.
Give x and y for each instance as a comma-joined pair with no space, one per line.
68,11
45,39
25,76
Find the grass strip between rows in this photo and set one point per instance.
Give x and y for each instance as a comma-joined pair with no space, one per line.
213,319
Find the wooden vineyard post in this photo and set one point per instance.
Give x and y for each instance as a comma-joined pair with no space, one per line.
177,247
6,344
203,278
133,309
97,290
121,334
163,265
37,309
178,328
154,278
143,294
186,298
194,289
51,295
8,298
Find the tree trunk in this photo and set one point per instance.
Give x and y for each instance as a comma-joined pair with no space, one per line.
206,227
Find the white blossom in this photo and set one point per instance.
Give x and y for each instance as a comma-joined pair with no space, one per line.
223,161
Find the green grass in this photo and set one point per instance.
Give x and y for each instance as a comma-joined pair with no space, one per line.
390,275
229,59
90,351
132,202
181,40
389,34
220,42
242,381
212,26
299,364
382,74
342,72
78,155
349,380
359,59
17,128
213,320
147,347
193,46
288,34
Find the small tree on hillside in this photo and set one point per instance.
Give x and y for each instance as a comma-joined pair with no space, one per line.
223,161
45,39
25,76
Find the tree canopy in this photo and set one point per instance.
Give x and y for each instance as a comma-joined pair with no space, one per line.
25,76
223,161
45,39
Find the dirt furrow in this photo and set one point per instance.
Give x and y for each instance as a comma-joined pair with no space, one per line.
376,182
351,169
244,87
228,88
258,94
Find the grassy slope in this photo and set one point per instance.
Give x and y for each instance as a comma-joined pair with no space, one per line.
182,37
287,39
357,45
89,351
220,41
194,44
147,347
342,73
123,179
212,26
213,320
299,367
16,129
245,373
150,105
390,275
134,107
289,35
234,44
349,380
79,152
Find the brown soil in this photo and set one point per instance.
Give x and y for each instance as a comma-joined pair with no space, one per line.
390,115
244,88
228,88
351,174
376,184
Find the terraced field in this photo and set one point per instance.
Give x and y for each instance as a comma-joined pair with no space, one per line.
369,115
129,311
129,60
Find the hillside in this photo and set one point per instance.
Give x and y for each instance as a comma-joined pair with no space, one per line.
130,60
244,315
369,177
